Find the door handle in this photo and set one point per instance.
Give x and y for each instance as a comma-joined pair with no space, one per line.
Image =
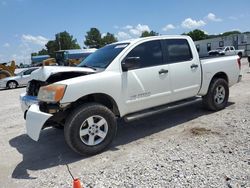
163,71
194,66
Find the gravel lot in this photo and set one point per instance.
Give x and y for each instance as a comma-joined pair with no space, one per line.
185,147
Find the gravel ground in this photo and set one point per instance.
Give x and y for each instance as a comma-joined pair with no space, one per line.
185,147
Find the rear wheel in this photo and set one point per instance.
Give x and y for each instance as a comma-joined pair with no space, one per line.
90,129
12,84
217,95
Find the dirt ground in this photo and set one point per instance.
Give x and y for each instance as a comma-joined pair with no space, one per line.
184,147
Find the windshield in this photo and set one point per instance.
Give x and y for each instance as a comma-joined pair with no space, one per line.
104,56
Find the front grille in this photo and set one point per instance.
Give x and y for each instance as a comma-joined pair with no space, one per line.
33,87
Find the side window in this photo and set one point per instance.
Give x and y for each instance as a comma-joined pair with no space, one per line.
28,72
198,47
149,53
208,47
177,50
231,48
221,43
227,49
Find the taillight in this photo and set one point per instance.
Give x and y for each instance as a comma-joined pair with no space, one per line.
239,63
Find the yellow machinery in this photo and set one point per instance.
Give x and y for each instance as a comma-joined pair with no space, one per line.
7,70
49,61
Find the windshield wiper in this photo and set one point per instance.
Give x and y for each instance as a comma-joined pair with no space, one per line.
87,66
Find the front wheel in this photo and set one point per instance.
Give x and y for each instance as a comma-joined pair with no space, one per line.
217,95
90,129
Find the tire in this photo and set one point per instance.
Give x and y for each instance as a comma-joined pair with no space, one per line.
217,95
92,120
58,126
12,85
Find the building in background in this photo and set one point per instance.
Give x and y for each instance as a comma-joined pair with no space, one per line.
239,41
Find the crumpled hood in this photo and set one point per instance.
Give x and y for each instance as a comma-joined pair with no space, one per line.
43,73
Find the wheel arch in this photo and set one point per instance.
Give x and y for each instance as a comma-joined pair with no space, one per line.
222,75
100,98
209,79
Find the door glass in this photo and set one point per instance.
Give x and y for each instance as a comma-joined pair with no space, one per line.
150,53
178,50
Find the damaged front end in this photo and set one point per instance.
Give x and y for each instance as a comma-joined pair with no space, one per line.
39,114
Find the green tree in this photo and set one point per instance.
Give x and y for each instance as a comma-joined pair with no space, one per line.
148,34
52,47
108,39
197,35
63,41
93,39
230,33
34,54
43,52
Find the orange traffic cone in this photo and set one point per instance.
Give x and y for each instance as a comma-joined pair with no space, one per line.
76,183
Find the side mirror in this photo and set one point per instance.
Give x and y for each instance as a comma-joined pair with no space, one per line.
130,62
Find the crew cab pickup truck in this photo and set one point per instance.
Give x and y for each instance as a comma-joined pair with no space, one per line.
128,79
227,50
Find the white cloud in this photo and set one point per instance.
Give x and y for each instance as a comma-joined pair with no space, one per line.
134,31
39,40
128,27
168,27
123,35
103,34
190,23
205,32
142,28
6,45
212,17
131,31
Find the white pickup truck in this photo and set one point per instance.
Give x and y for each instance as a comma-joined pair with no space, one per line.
227,50
128,79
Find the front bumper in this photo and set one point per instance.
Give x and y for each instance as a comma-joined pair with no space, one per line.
26,101
35,119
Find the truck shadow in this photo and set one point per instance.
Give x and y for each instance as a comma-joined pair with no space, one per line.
51,150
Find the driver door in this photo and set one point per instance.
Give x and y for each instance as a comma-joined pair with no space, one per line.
147,84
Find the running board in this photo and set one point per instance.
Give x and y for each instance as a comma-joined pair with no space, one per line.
160,109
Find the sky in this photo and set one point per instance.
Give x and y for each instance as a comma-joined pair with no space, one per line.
27,25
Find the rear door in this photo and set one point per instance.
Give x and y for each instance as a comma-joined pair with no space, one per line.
148,84
184,70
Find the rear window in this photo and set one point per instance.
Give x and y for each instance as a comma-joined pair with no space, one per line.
178,50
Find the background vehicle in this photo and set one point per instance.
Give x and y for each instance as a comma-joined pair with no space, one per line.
227,50
7,70
38,59
130,80
69,57
20,79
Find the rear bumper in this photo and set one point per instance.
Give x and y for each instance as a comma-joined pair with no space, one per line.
26,101
35,119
